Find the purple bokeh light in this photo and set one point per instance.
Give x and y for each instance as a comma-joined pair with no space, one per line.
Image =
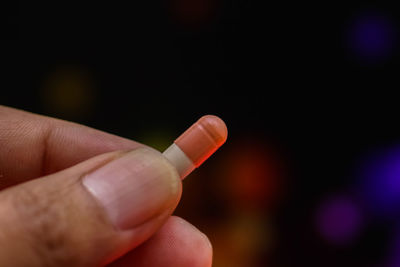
380,178
372,37
339,220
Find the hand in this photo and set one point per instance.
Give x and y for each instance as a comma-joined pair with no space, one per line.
74,196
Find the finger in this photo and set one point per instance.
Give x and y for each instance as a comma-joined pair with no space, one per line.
176,244
89,214
32,145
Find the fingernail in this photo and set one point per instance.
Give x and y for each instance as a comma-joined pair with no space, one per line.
135,187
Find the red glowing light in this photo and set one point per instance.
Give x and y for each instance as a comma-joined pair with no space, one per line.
193,12
253,174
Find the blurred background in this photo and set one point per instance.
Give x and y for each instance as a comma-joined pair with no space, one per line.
310,174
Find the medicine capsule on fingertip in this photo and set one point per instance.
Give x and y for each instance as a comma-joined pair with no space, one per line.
196,144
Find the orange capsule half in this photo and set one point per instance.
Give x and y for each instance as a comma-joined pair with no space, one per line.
197,144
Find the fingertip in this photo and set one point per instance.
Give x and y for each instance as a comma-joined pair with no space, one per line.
194,247
177,243
191,230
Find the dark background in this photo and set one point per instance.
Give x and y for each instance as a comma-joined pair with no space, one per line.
303,109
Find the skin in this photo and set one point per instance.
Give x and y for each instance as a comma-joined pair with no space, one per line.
46,218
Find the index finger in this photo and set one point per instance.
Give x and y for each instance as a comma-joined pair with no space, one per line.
33,145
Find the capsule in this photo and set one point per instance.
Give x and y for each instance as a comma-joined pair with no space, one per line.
196,144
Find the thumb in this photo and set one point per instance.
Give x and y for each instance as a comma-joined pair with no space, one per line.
89,214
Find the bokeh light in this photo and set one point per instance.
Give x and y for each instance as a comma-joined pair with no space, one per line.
193,13
252,174
372,37
380,182
339,220
69,91
241,241
248,181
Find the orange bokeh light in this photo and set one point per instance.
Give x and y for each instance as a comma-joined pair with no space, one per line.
253,174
